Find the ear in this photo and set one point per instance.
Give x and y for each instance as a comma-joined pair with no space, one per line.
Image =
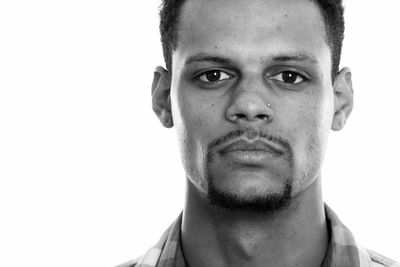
343,99
161,99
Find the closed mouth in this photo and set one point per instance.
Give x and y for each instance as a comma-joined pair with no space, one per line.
255,146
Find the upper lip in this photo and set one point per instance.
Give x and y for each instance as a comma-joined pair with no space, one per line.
258,145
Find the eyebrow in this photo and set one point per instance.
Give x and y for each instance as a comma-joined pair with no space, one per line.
301,57
203,57
284,57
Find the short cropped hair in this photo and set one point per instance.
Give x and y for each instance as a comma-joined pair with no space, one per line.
331,10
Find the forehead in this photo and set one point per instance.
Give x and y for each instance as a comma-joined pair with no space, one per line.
251,29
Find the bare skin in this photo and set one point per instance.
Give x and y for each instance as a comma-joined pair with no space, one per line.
249,47
293,237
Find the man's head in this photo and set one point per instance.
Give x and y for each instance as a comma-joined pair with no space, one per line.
250,93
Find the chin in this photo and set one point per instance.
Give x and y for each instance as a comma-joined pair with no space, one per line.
250,198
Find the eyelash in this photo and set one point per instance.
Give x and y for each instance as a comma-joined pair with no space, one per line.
220,73
213,71
296,74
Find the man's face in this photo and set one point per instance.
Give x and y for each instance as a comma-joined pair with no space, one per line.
251,96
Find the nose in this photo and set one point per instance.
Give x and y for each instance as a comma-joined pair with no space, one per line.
249,106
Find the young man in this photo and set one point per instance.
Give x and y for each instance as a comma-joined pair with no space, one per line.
253,89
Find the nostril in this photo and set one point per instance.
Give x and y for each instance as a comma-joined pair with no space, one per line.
262,117
241,116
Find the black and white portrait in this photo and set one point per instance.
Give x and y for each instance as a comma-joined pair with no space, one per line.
242,130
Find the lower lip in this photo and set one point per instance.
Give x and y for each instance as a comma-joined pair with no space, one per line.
250,157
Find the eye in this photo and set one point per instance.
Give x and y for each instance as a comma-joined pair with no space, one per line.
288,77
214,76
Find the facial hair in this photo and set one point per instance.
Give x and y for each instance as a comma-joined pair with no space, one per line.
261,203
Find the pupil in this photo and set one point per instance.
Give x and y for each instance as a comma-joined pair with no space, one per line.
289,77
213,76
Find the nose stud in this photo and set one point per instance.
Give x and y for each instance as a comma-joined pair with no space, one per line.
268,105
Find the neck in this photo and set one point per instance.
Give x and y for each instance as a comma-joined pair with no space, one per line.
294,236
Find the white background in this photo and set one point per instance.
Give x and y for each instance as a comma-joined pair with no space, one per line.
88,176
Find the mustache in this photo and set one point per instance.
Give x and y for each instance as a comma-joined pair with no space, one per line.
251,133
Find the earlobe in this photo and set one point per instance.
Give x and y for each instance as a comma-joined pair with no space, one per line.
161,99
343,99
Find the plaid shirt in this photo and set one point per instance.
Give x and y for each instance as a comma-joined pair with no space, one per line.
343,251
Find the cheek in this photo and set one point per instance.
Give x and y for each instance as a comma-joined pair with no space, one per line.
312,127
316,116
196,115
195,120
318,119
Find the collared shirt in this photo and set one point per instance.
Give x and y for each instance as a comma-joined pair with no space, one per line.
343,251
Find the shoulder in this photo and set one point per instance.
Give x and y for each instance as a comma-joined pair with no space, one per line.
379,260
149,259
131,263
